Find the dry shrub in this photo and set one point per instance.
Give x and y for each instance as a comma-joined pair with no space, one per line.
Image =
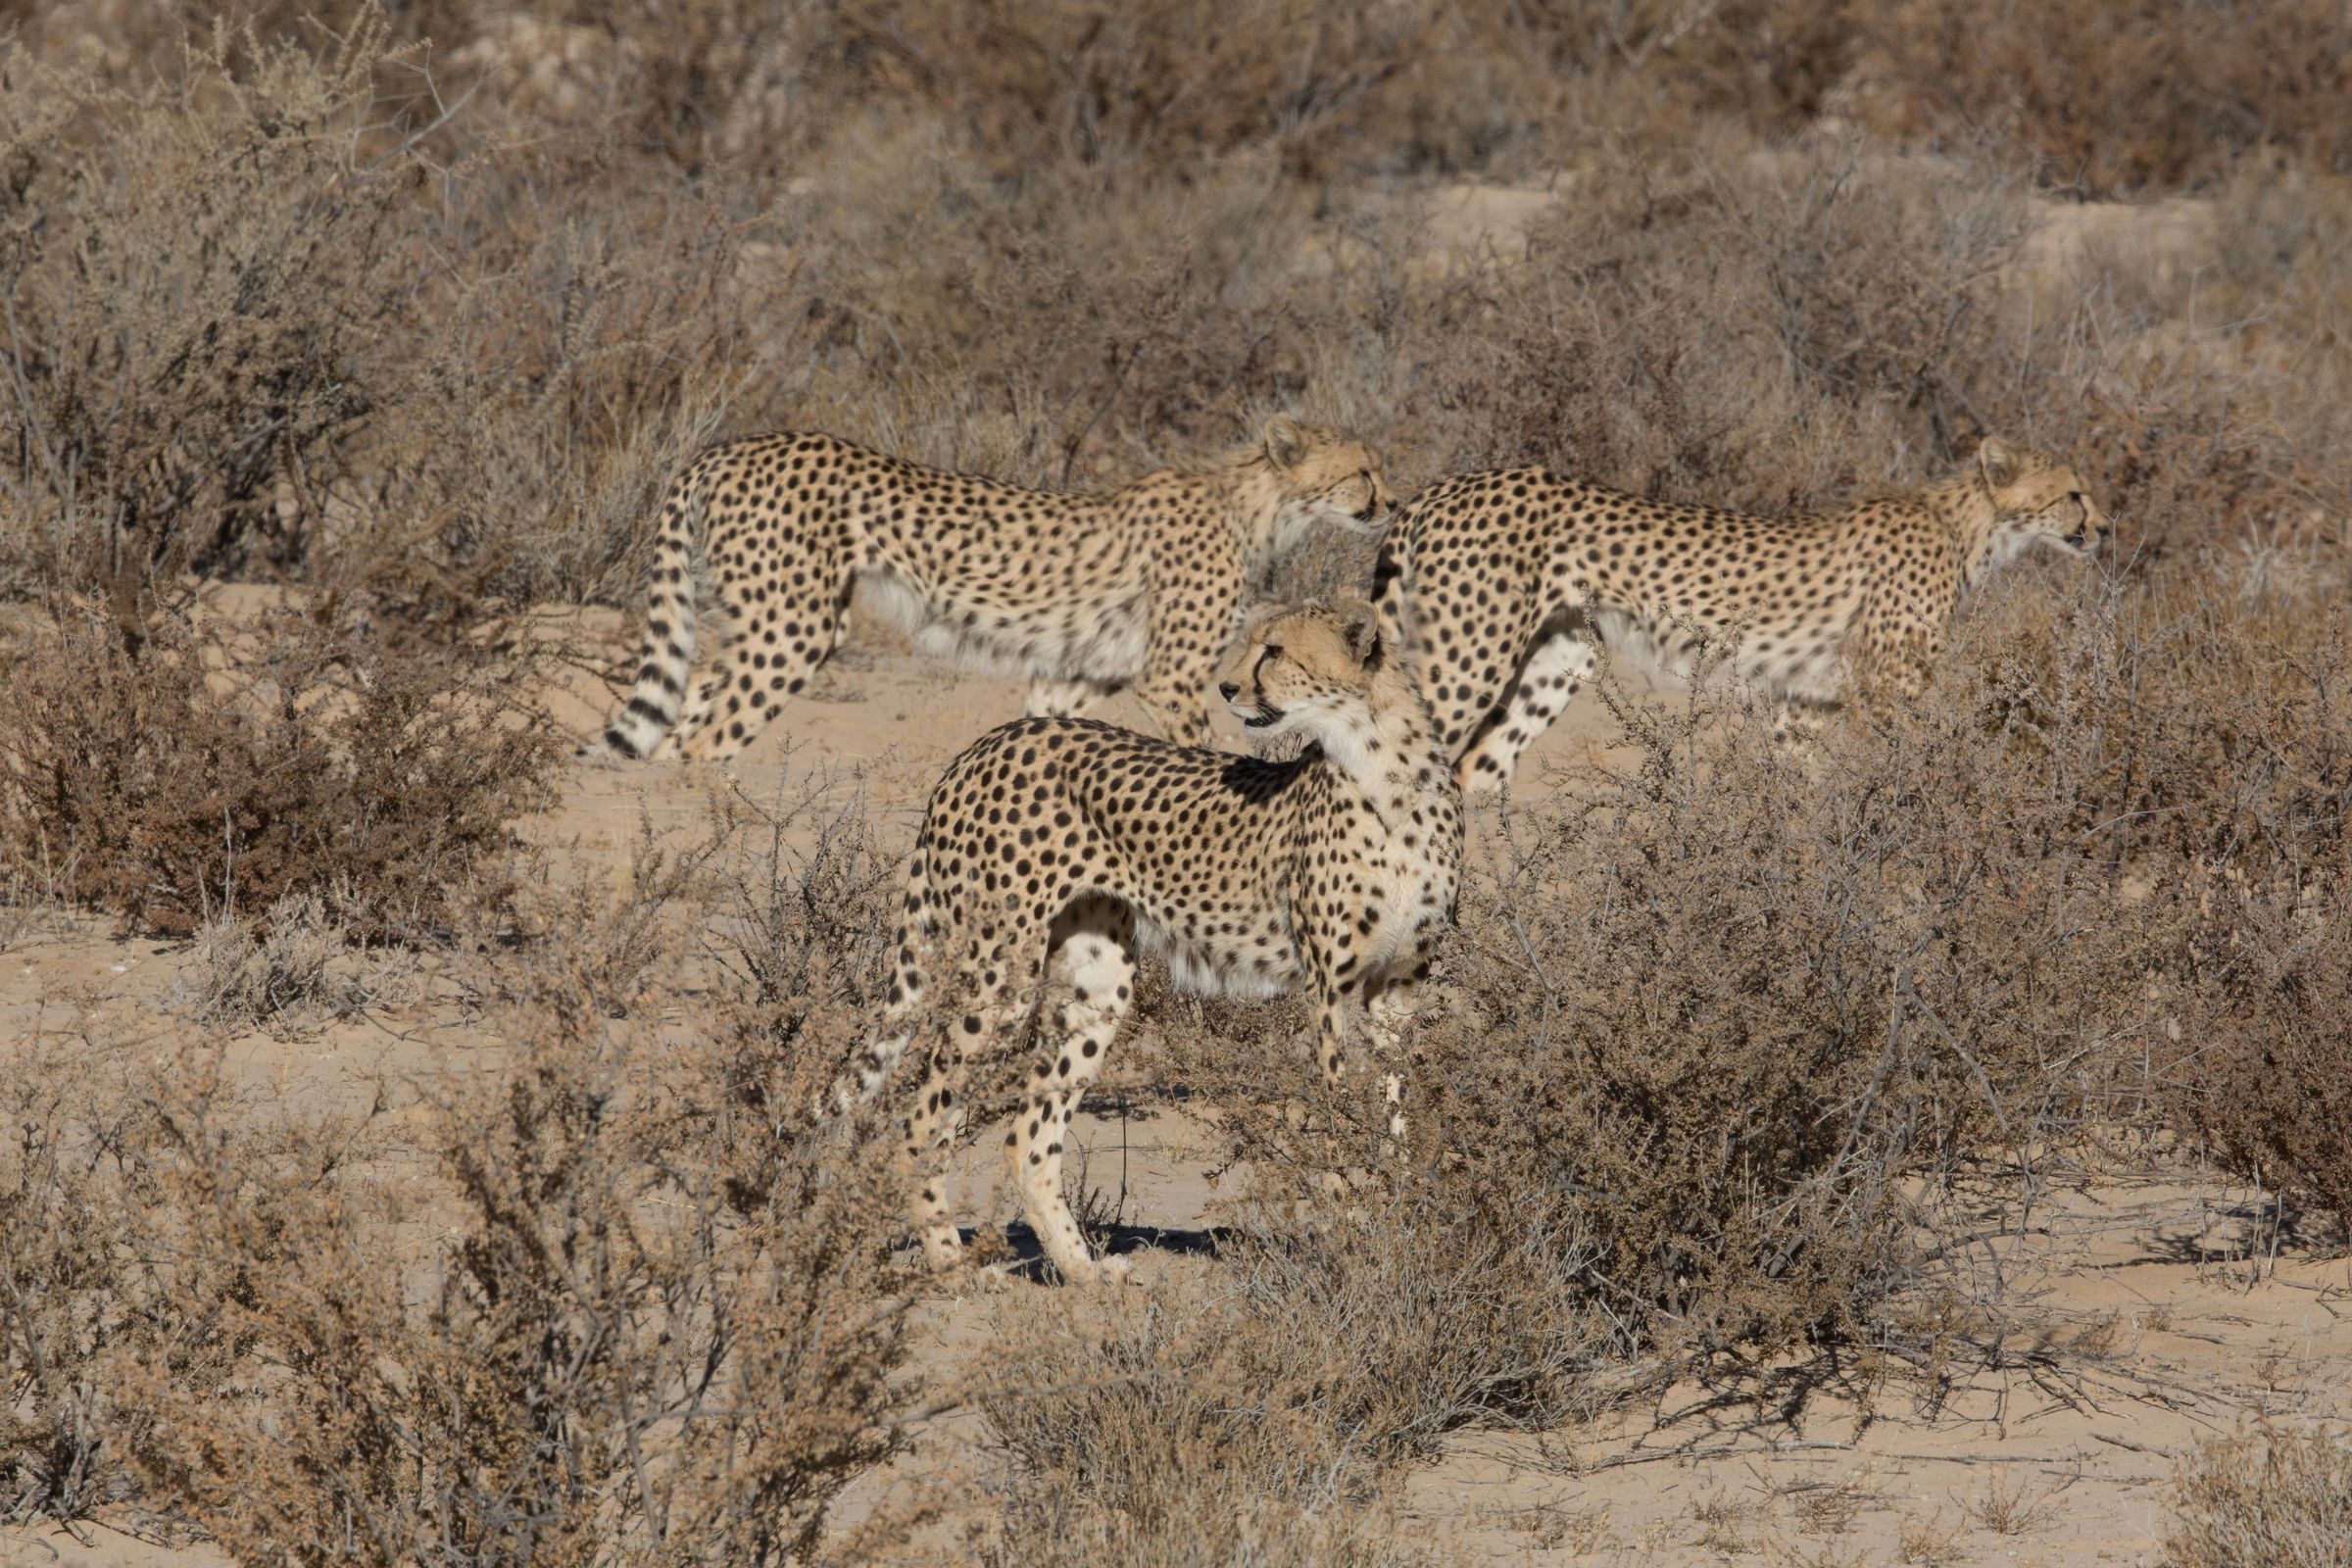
2225,388
610,1296
572,359
810,911
1719,1015
1151,316
1761,332
642,1316
2116,96
83,1277
302,317
1183,1431
1420,1315
2264,1079
1325,87
188,320
378,772
2234,745
2203,736
1736,1019
2270,1498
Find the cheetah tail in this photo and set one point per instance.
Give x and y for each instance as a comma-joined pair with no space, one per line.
667,658
1387,585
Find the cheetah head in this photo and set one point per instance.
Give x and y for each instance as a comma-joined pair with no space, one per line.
1322,476
2035,498
1307,671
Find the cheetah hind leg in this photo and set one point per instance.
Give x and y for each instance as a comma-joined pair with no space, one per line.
935,1117
719,631
1554,670
694,705
1061,699
772,649
930,1131
1092,973
1796,726
691,718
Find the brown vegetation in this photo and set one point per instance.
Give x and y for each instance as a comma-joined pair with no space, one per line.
412,335
380,774
2268,1496
652,1315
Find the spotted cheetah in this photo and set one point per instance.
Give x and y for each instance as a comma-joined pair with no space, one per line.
1055,848
1503,580
1084,594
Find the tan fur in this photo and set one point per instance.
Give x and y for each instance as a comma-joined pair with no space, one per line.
1055,850
1501,583
1084,594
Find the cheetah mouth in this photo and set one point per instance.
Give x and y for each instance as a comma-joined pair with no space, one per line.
1262,717
1370,514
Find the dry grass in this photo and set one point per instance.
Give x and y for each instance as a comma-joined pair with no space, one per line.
1929,1543
2009,1505
1190,1429
294,967
79,1287
2268,1496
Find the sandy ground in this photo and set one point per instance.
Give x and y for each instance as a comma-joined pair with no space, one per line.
2175,1328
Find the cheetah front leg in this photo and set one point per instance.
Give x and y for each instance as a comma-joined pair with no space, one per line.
1331,1052
1093,978
1389,1007
1388,590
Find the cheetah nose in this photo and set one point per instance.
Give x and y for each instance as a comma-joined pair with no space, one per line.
1229,690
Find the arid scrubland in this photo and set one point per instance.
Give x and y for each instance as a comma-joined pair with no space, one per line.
1744,1060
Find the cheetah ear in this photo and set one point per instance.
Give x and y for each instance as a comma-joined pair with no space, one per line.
1996,460
1285,443
1359,629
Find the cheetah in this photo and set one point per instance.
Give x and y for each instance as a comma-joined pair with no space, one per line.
1056,849
1084,594
1503,582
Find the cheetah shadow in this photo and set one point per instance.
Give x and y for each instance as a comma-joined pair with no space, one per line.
1025,1259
